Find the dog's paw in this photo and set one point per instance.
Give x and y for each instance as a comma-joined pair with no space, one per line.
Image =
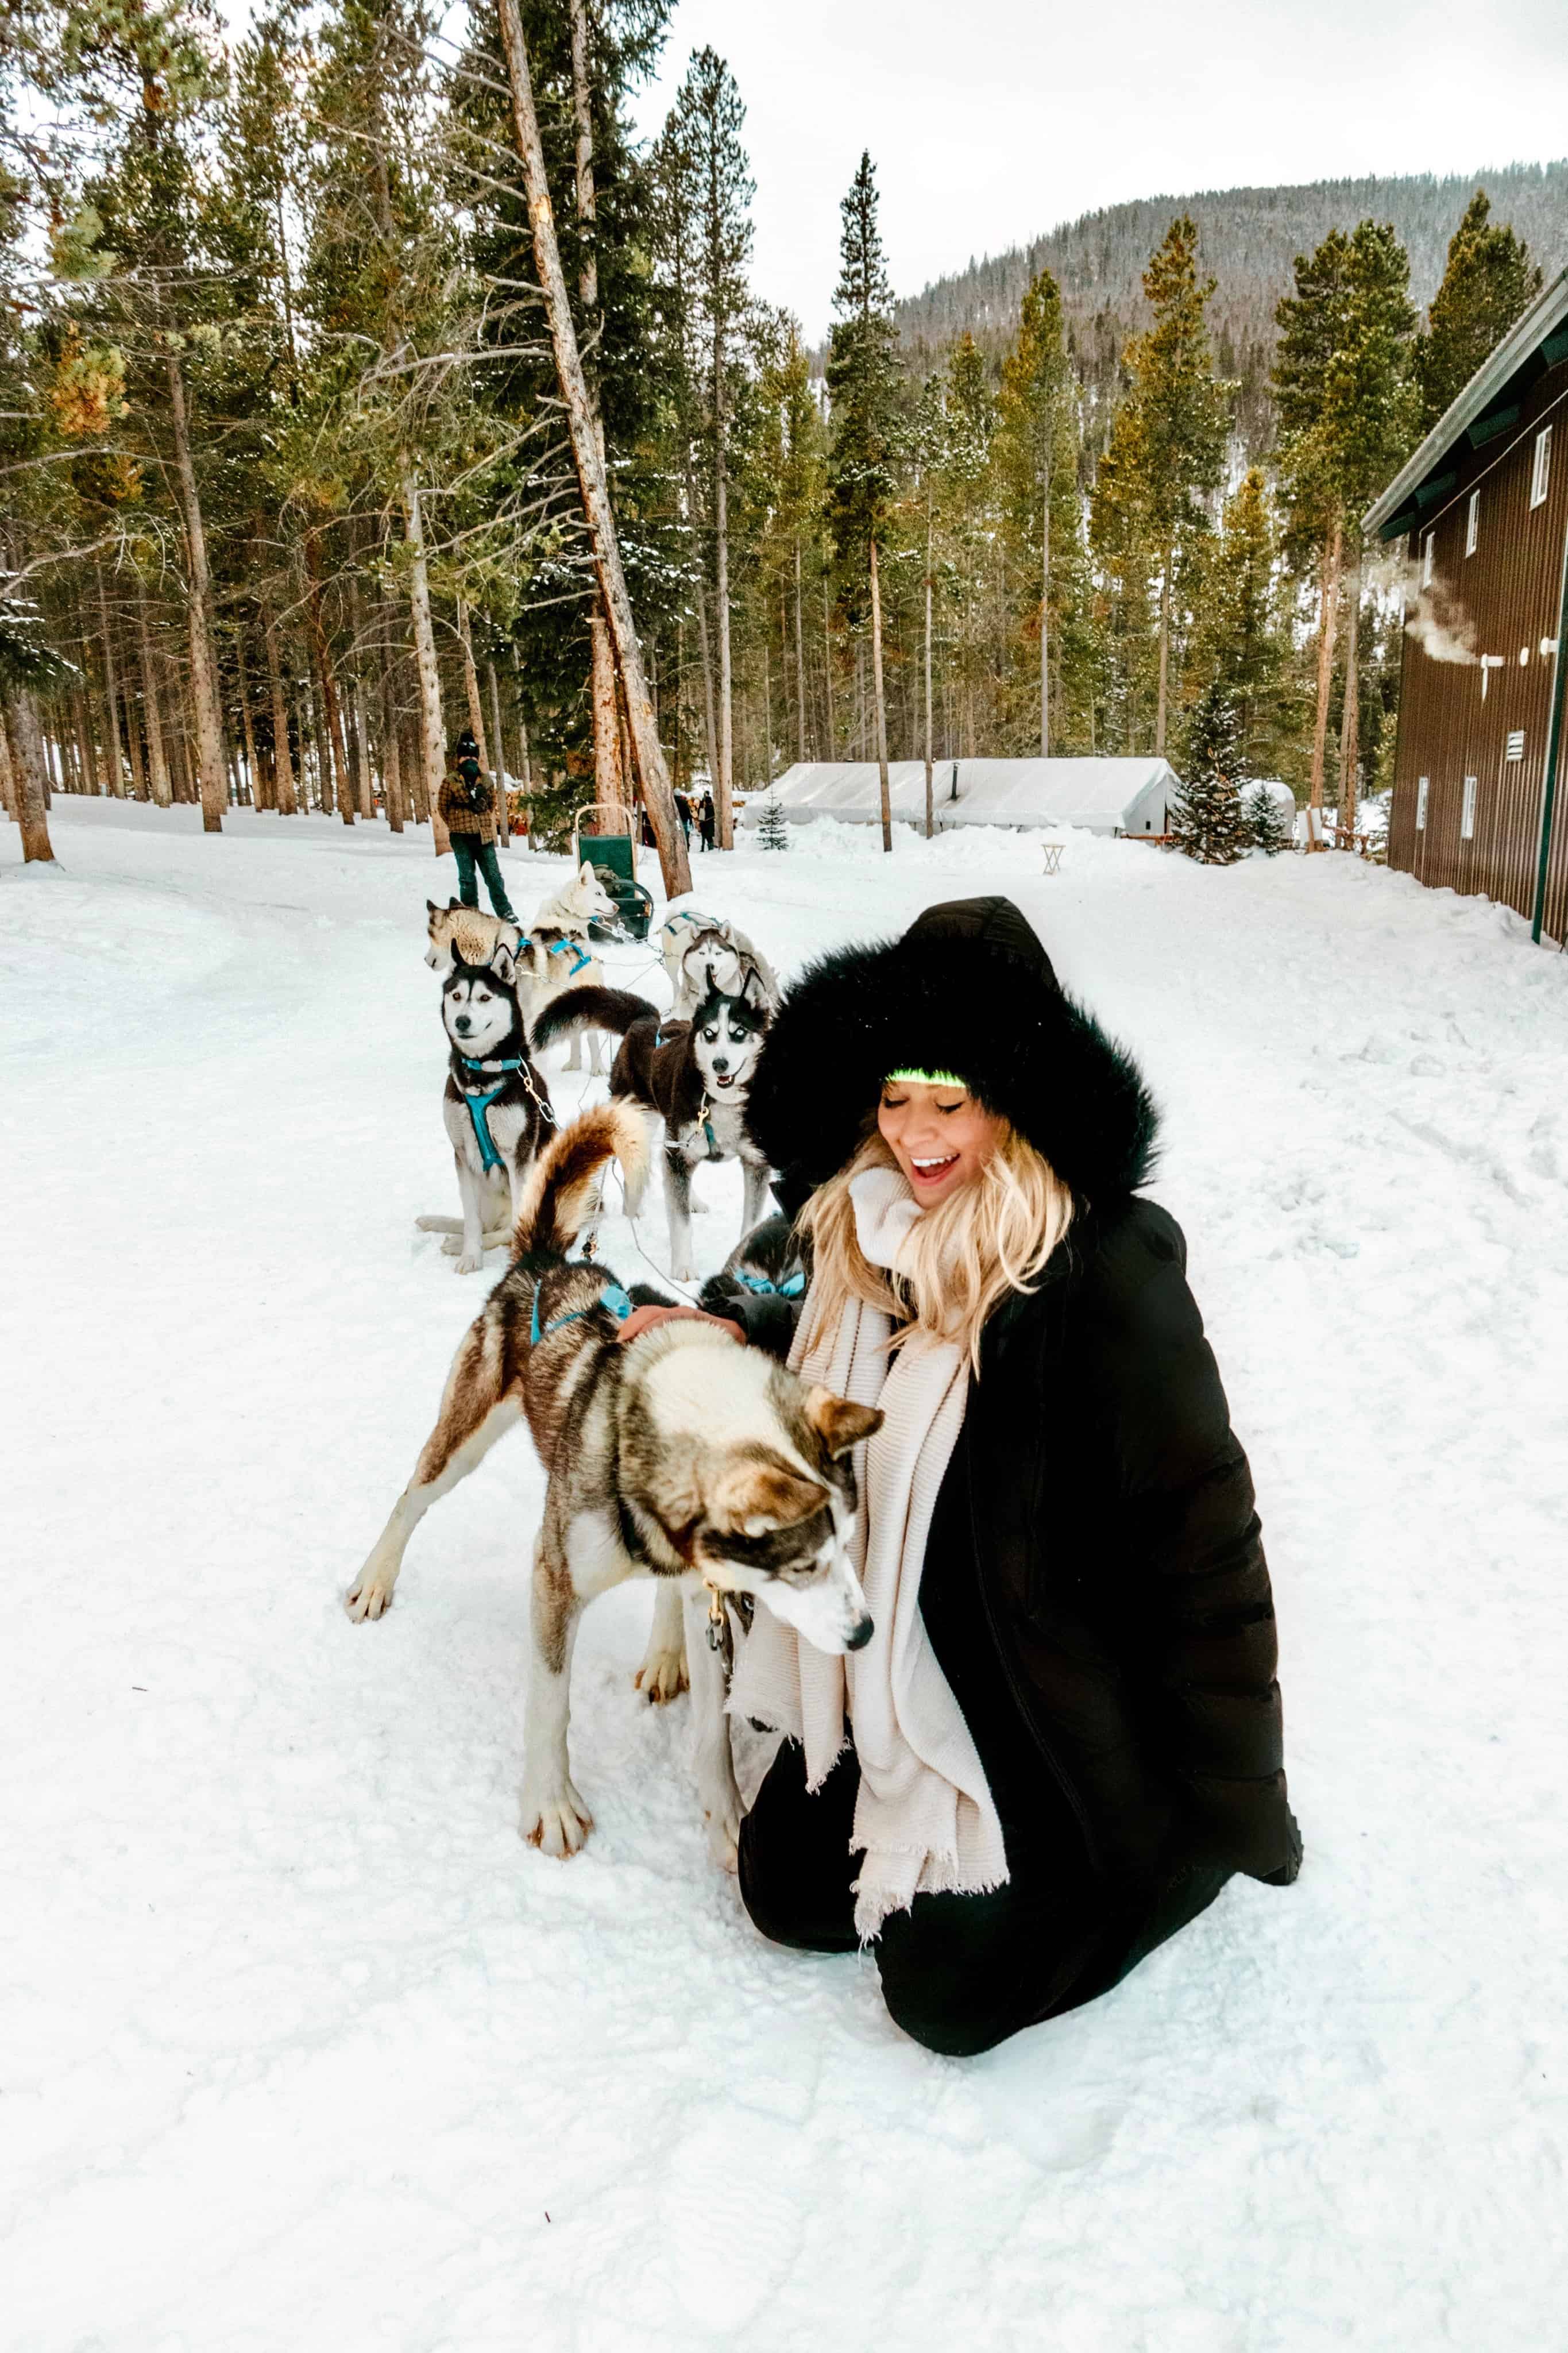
369,1596
451,1244
683,1269
471,1261
700,1208
662,1675
556,1823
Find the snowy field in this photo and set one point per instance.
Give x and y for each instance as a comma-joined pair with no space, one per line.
302,2051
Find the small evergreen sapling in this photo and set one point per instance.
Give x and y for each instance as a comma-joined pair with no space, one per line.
1205,817
772,826
1264,821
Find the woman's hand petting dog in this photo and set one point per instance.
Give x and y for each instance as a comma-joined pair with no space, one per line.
643,1319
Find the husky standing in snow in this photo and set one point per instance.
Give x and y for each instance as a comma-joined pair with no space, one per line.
678,1453
690,1080
701,953
579,902
496,1106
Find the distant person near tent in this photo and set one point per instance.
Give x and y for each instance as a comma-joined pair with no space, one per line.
683,811
466,805
705,819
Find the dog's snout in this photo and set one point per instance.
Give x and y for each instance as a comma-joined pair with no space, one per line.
462,1024
858,1640
721,1062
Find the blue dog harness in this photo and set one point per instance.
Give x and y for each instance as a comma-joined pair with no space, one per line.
764,1289
612,1296
478,1106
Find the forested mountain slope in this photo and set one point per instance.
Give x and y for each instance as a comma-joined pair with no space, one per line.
1249,239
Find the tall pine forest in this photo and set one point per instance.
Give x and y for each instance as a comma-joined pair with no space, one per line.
291,499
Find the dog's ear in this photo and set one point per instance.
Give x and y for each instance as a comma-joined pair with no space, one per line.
754,991
503,964
587,873
453,906
757,1497
839,1423
432,909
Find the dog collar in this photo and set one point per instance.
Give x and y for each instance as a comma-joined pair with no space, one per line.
764,1289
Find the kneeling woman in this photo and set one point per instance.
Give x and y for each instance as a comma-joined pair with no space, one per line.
1064,1737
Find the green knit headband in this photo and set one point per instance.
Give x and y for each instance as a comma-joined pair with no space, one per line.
926,1079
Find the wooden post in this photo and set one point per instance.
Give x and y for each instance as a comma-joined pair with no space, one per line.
652,774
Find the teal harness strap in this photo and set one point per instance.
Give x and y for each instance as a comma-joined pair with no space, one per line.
764,1289
612,1296
478,1109
565,948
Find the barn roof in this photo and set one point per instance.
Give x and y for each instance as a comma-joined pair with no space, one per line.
1488,405
1096,794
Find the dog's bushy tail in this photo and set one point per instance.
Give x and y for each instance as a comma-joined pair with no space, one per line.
591,1009
562,1184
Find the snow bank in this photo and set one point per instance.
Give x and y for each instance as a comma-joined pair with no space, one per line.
304,2050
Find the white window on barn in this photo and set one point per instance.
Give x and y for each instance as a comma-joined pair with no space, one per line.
1421,786
1427,560
1540,471
1467,811
1473,523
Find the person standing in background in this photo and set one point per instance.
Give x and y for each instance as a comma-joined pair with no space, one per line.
466,805
705,818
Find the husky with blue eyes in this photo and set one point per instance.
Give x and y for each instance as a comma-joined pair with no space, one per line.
691,1078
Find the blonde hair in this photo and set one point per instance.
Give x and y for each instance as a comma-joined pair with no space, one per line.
962,1258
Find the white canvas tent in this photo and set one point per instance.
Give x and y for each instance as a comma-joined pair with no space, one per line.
1099,795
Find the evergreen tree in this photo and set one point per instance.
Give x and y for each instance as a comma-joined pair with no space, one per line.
1490,282
772,826
863,386
1167,441
1264,820
1239,637
1037,449
1206,815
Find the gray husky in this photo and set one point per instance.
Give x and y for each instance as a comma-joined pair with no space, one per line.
691,1078
680,1455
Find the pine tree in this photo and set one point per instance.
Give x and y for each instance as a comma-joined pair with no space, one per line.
1036,455
1264,820
1167,441
1206,815
772,826
1490,282
1239,637
863,386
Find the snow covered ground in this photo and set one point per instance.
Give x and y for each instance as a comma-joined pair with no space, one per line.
300,2048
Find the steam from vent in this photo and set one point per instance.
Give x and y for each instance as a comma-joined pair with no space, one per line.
1438,622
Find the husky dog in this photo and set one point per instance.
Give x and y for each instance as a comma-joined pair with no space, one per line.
680,1455
579,902
496,1106
770,1262
548,959
701,953
692,1077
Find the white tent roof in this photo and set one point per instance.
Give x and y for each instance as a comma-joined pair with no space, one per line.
1100,795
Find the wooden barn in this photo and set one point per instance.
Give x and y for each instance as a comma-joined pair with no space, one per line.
1480,800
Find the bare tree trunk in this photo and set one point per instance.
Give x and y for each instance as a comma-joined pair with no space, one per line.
652,774
86,741
1350,717
133,743
9,800
364,781
709,719
111,697
931,813
27,765
284,798
1044,624
827,669
1328,613
881,702
432,725
799,656
391,748
498,746
327,678
1164,654
157,756
607,783
260,797
204,659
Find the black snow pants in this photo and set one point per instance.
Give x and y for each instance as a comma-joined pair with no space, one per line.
960,1973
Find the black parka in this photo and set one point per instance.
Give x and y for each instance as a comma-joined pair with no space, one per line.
1116,1549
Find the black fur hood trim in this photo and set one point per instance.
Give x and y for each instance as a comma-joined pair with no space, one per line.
970,989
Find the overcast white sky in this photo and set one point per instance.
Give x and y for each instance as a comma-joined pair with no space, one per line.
991,119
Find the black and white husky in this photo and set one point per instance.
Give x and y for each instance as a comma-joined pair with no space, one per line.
495,1105
691,1077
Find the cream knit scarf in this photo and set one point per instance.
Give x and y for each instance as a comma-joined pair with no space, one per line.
924,1820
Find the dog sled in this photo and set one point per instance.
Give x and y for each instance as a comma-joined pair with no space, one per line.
613,857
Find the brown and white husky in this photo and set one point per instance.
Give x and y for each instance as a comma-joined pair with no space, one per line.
680,1455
